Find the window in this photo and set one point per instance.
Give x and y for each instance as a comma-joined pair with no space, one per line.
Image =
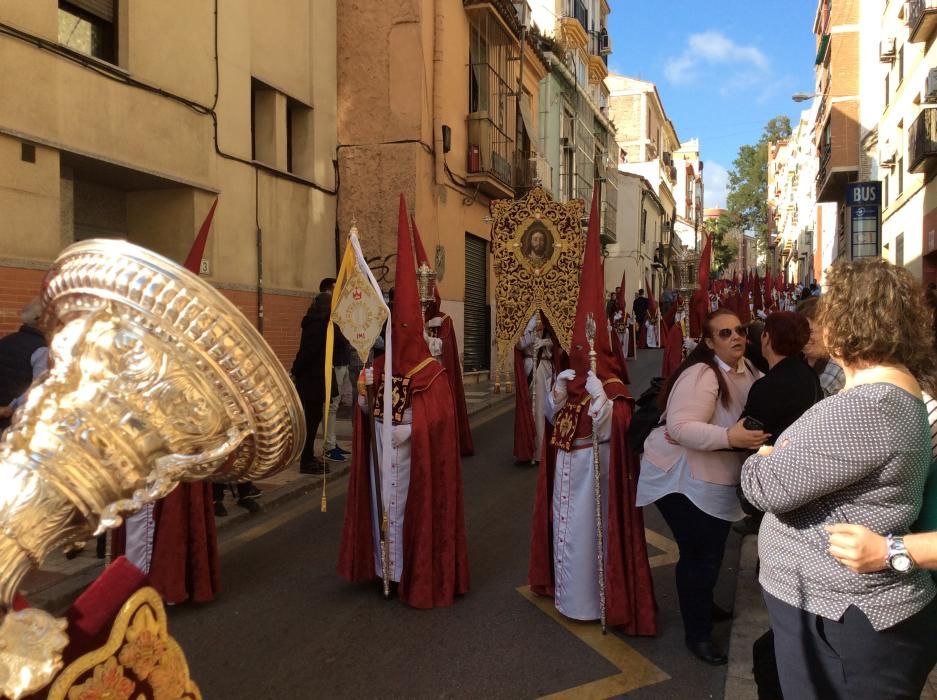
899,250
899,167
643,229
885,191
901,64
887,87
88,27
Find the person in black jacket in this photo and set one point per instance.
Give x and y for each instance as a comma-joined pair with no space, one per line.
309,373
790,387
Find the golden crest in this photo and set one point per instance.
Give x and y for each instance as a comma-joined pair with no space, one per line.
360,312
537,246
139,660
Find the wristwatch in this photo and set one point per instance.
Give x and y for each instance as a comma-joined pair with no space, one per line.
897,558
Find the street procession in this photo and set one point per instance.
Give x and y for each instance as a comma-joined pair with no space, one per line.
405,350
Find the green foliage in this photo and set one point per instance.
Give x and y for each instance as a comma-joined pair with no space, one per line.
748,180
726,232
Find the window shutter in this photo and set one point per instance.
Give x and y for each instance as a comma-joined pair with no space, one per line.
103,9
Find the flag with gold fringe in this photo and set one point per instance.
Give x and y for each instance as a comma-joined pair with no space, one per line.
359,310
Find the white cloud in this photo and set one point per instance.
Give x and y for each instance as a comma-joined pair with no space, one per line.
747,64
715,185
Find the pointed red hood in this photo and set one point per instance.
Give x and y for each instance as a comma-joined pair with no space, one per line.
422,259
591,300
410,348
651,301
193,261
673,353
705,262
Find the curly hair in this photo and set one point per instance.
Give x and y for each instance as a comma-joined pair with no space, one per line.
875,312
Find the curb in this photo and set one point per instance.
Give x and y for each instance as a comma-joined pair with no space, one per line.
57,597
750,622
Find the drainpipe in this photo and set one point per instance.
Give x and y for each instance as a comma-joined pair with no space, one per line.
260,254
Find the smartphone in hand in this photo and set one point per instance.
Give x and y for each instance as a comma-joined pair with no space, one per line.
751,423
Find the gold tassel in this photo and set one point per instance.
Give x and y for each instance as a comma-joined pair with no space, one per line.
324,505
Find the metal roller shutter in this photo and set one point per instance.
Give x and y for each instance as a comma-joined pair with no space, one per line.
104,9
475,348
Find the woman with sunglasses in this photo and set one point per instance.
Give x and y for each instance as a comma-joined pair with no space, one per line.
690,468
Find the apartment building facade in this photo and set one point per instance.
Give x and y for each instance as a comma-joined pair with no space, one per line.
110,128
647,142
484,99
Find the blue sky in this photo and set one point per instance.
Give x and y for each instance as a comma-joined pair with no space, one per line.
723,68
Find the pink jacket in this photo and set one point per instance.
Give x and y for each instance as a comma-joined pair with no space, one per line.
698,421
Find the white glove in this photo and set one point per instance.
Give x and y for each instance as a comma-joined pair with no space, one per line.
434,344
562,379
594,387
369,376
540,343
400,434
689,344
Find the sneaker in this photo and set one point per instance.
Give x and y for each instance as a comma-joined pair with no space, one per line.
342,450
250,505
253,492
317,468
335,454
220,510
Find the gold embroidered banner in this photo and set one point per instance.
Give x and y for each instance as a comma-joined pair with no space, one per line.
537,245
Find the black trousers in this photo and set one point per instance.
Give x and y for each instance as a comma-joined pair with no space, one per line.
848,658
243,490
702,542
313,401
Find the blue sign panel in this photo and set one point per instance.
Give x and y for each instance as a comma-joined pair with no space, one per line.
865,202
864,194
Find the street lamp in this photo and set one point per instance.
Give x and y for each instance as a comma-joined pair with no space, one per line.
804,96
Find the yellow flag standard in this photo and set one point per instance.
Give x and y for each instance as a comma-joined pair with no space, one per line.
359,310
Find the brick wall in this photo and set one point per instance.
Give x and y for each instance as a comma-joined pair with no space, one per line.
282,313
17,287
282,317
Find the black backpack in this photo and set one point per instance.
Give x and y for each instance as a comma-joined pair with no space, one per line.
646,416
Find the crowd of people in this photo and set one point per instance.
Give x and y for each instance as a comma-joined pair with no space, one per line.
811,423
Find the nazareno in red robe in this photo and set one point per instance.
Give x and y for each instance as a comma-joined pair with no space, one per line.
435,567
186,564
450,360
629,589
525,431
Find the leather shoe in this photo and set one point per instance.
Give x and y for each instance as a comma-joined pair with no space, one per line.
708,652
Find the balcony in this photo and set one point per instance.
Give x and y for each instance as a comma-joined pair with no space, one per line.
575,23
532,171
490,162
922,19
598,71
922,142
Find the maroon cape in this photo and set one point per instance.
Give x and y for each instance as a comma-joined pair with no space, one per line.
629,590
186,564
450,360
435,567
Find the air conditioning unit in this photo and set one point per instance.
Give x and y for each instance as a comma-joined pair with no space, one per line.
930,86
565,142
605,43
886,50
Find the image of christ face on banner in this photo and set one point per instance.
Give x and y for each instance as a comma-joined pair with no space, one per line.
537,245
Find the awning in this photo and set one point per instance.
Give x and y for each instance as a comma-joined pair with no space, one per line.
526,118
821,50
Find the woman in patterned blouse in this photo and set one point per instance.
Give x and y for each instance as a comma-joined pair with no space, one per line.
860,457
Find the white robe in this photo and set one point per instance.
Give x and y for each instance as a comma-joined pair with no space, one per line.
575,566
653,341
542,379
395,486
139,533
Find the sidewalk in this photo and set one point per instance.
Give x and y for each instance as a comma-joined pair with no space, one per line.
60,580
750,622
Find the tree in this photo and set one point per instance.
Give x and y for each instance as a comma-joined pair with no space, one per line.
725,232
748,179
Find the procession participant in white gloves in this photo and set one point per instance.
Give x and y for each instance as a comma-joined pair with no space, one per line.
564,556
420,477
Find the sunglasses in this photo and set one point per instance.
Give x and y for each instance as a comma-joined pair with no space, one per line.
726,333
